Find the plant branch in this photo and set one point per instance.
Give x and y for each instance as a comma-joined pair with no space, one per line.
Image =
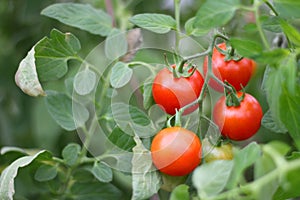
271,7
177,18
259,26
260,183
209,74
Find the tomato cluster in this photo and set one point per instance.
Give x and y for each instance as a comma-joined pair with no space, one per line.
177,151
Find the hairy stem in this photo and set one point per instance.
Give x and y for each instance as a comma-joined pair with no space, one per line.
177,18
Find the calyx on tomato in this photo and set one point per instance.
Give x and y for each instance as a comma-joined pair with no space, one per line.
229,53
183,70
232,99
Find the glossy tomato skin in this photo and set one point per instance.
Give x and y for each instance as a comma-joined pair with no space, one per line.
212,153
176,151
238,123
172,93
234,72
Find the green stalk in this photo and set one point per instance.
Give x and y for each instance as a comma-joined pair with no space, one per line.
177,18
259,184
259,26
271,7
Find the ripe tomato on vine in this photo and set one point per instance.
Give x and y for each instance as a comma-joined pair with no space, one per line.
237,71
172,93
238,122
176,151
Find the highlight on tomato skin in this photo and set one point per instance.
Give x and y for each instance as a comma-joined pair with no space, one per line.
172,93
176,151
236,73
240,122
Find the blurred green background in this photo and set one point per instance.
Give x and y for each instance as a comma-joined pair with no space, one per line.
24,120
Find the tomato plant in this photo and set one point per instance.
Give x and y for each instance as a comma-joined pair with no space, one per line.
105,95
176,151
238,122
236,72
173,93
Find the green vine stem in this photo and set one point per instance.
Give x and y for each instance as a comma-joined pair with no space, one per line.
177,18
257,4
209,74
254,187
271,7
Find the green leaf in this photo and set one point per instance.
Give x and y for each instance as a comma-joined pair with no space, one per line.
215,13
116,44
263,166
52,54
71,153
9,174
138,116
211,178
85,81
242,160
192,30
69,84
288,8
169,183
26,77
269,123
272,24
158,23
246,48
121,139
272,85
131,119
102,172
68,116
271,57
8,149
81,16
289,113
291,32
266,164
45,173
83,175
145,179
289,187
120,75
288,68
181,192
95,191
148,100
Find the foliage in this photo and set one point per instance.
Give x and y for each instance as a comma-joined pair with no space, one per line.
106,97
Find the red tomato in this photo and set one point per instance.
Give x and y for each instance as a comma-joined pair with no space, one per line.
176,151
234,72
241,122
172,93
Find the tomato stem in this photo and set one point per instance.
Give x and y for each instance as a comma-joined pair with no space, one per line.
259,26
271,7
177,18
